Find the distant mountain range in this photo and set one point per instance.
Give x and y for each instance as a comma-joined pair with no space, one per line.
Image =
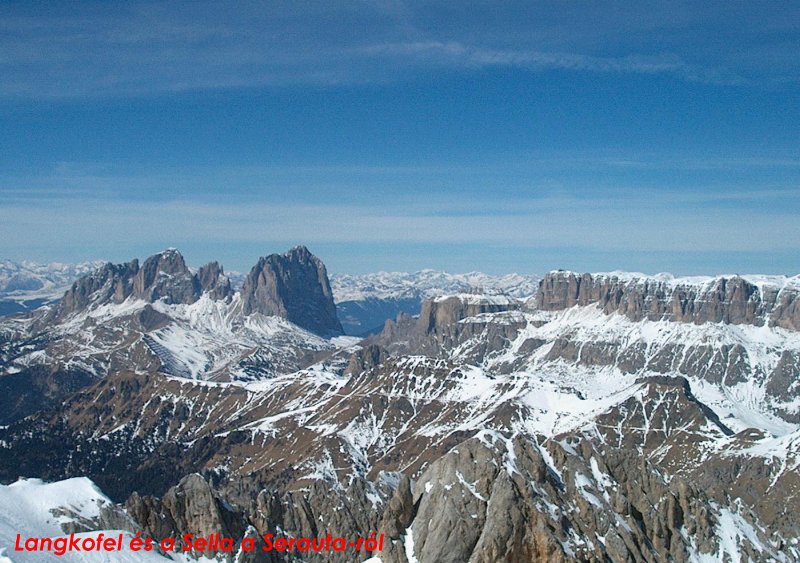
426,284
27,285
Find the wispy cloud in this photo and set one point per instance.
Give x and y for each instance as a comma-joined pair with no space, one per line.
142,48
594,223
94,209
459,55
505,185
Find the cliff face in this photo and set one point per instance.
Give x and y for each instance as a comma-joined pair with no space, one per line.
441,313
733,300
163,276
483,323
112,283
642,484
294,286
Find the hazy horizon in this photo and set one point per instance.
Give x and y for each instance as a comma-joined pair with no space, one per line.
525,272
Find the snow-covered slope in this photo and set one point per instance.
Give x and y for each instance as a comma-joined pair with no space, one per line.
207,339
35,509
161,315
680,395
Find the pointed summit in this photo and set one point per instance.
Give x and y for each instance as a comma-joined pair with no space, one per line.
165,276
294,286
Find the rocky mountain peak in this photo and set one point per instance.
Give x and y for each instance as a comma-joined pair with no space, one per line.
300,253
295,286
111,283
482,429
166,276
161,277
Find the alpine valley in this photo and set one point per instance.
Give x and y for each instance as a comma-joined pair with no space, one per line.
572,417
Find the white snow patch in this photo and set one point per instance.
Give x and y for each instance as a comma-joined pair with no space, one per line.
409,545
27,506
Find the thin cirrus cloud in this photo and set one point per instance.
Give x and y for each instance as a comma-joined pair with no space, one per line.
127,74
503,187
593,223
459,55
145,48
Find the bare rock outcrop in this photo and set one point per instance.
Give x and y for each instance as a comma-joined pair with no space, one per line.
447,322
294,286
732,300
161,277
190,507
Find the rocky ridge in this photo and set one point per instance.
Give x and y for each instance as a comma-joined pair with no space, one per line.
726,299
162,277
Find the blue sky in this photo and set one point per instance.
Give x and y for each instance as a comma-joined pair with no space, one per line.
399,136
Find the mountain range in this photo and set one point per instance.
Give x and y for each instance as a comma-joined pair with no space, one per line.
364,302
593,417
